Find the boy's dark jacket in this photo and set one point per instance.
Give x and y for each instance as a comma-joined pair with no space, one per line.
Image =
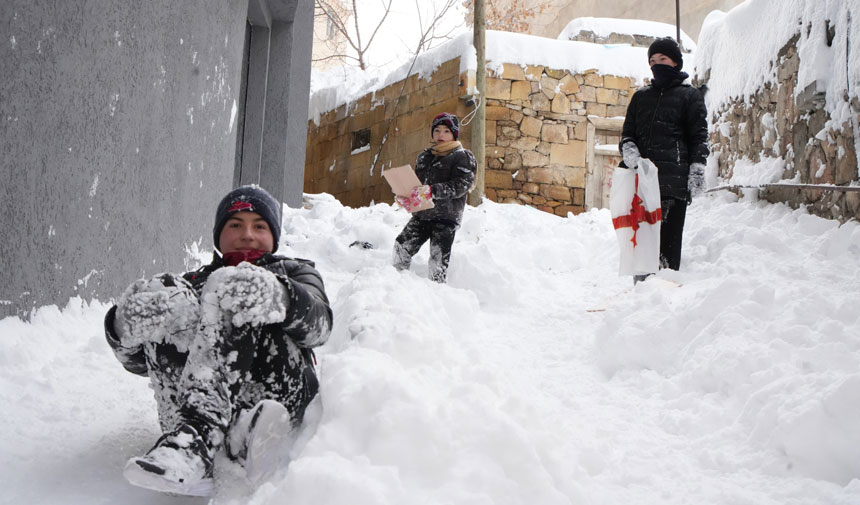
669,126
308,320
450,177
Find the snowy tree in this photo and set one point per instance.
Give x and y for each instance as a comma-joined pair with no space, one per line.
353,26
509,15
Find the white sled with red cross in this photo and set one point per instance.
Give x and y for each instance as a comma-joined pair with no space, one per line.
634,203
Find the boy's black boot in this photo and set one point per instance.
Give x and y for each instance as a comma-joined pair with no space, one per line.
180,462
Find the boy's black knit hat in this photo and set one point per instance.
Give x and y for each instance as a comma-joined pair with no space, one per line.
669,47
251,198
449,120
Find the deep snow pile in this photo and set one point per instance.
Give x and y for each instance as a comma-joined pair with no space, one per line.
742,386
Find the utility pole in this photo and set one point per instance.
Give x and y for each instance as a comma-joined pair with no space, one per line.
479,133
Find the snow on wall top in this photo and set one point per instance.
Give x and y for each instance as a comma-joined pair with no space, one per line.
346,85
604,27
739,48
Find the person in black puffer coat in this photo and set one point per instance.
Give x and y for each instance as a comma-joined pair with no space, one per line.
224,346
447,171
666,122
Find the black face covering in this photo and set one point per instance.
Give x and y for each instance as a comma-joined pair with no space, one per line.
665,75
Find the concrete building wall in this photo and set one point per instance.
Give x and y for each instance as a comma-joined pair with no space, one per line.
119,130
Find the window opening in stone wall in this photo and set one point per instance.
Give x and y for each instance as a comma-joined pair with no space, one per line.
360,141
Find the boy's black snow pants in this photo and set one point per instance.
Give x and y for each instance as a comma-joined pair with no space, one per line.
226,371
672,231
414,234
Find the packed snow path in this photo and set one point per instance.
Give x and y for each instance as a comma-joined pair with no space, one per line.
742,386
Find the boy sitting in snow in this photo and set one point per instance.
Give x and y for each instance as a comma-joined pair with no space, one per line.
447,171
227,348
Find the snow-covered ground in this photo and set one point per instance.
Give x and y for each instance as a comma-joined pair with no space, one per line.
742,386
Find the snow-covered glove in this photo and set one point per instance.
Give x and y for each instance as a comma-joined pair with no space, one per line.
161,309
696,180
630,153
247,294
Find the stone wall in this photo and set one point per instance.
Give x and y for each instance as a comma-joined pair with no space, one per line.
779,123
536,140
537,133
333,165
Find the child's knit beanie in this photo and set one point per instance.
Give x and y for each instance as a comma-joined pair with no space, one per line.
251,198
669,47
449,120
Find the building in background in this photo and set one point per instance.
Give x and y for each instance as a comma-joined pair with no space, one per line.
123,123
547,18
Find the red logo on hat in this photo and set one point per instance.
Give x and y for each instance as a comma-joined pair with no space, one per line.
240,205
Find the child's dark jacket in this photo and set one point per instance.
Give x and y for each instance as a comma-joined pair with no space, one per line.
307,323
450,177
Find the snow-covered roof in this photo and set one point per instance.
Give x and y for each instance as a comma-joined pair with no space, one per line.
604,27
344,86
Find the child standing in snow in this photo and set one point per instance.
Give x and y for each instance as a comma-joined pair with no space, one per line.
227,348
666,122
447,172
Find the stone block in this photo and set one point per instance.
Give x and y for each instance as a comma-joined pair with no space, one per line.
520,90
499,179
594,79
558,193
525,143
496,113
595,109
516,116
556,133
616,110
540,175
571,154
513,72
607,96
568,85
534,159
560,104
494,152
499,89
490,132
540,102
531,188
544,148
613,82
554,73
572,177
531,126
533,72
548,86
511,132
587,94
513,160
